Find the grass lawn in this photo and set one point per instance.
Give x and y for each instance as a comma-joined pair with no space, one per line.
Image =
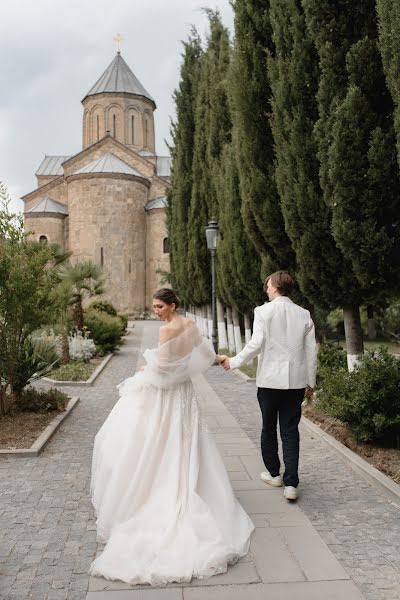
368,345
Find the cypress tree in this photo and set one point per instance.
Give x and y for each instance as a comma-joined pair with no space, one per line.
183,130
389,45
251,93
212,132
354,133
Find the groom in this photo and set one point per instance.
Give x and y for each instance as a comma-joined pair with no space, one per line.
284,337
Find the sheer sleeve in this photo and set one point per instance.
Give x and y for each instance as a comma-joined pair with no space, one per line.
178,358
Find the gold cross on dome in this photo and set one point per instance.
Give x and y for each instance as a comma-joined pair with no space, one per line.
118,39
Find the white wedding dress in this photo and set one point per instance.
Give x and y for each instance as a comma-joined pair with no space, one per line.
162,496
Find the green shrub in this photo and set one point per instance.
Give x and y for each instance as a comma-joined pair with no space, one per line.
124,321
331,357
103,306
42,400
73,371
36,358
367,399
105,330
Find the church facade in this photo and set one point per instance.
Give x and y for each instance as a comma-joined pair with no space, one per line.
107,203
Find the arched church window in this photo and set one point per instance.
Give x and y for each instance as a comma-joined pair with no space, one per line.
43,239
98,127
166,245
130,266
133,129
101,256
114,126
146,133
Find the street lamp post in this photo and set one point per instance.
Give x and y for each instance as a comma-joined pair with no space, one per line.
212,231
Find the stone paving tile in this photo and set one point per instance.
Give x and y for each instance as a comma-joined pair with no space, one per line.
47,527
360,526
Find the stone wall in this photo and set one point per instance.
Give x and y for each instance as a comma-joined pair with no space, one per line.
107,224
126,106
50,226
155,256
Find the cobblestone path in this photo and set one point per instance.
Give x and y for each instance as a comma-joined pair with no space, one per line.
360,526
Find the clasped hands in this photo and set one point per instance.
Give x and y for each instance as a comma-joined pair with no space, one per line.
223,360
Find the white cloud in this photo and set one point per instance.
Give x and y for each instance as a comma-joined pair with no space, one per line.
53,51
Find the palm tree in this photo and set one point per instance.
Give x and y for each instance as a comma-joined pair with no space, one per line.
85,280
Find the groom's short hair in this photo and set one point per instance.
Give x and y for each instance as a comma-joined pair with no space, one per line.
282,281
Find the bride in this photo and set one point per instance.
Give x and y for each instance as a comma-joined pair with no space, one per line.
162,496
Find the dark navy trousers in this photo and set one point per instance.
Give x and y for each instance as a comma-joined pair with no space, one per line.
285,404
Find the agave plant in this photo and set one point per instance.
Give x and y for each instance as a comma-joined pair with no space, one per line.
37,358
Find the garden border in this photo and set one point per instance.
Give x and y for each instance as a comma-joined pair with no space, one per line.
386,485
89,381
40,443
390,488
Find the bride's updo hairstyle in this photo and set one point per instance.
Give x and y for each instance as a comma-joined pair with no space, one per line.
167,295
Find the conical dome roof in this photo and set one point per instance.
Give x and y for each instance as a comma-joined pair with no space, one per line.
118,78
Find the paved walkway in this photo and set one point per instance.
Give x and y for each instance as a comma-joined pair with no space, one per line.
340,541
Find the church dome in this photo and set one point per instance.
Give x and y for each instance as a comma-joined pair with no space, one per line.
118,105
119,79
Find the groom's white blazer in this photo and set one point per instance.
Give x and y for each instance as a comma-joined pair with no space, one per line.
284,337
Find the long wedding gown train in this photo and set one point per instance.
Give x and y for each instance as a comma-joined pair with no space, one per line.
163,499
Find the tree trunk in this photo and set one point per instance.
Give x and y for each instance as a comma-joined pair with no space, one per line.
354,336
77,316
222,337
371,323
236,330
247,328
231,336
65,357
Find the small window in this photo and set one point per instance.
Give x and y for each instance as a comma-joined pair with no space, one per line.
114,126
101,256
133,129
98,127
165,245
43,239
146,133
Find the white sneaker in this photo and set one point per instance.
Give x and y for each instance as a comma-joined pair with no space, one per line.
290,492
267,477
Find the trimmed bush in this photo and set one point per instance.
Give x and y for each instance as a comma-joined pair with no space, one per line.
331,357
103,306
105,330
367,399
42,401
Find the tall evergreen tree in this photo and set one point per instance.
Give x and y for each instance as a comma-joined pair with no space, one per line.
389,45
354,133
238,266
183,131
212,129
251,96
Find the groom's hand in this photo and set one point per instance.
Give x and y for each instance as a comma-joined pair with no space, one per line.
224,361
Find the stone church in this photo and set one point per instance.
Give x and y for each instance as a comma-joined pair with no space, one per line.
107,203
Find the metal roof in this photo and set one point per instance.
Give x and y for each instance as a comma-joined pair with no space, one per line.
109,163
118,78
163,166
51,165
160,202
48,205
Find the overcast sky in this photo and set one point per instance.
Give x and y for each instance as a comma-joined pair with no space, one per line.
53,51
